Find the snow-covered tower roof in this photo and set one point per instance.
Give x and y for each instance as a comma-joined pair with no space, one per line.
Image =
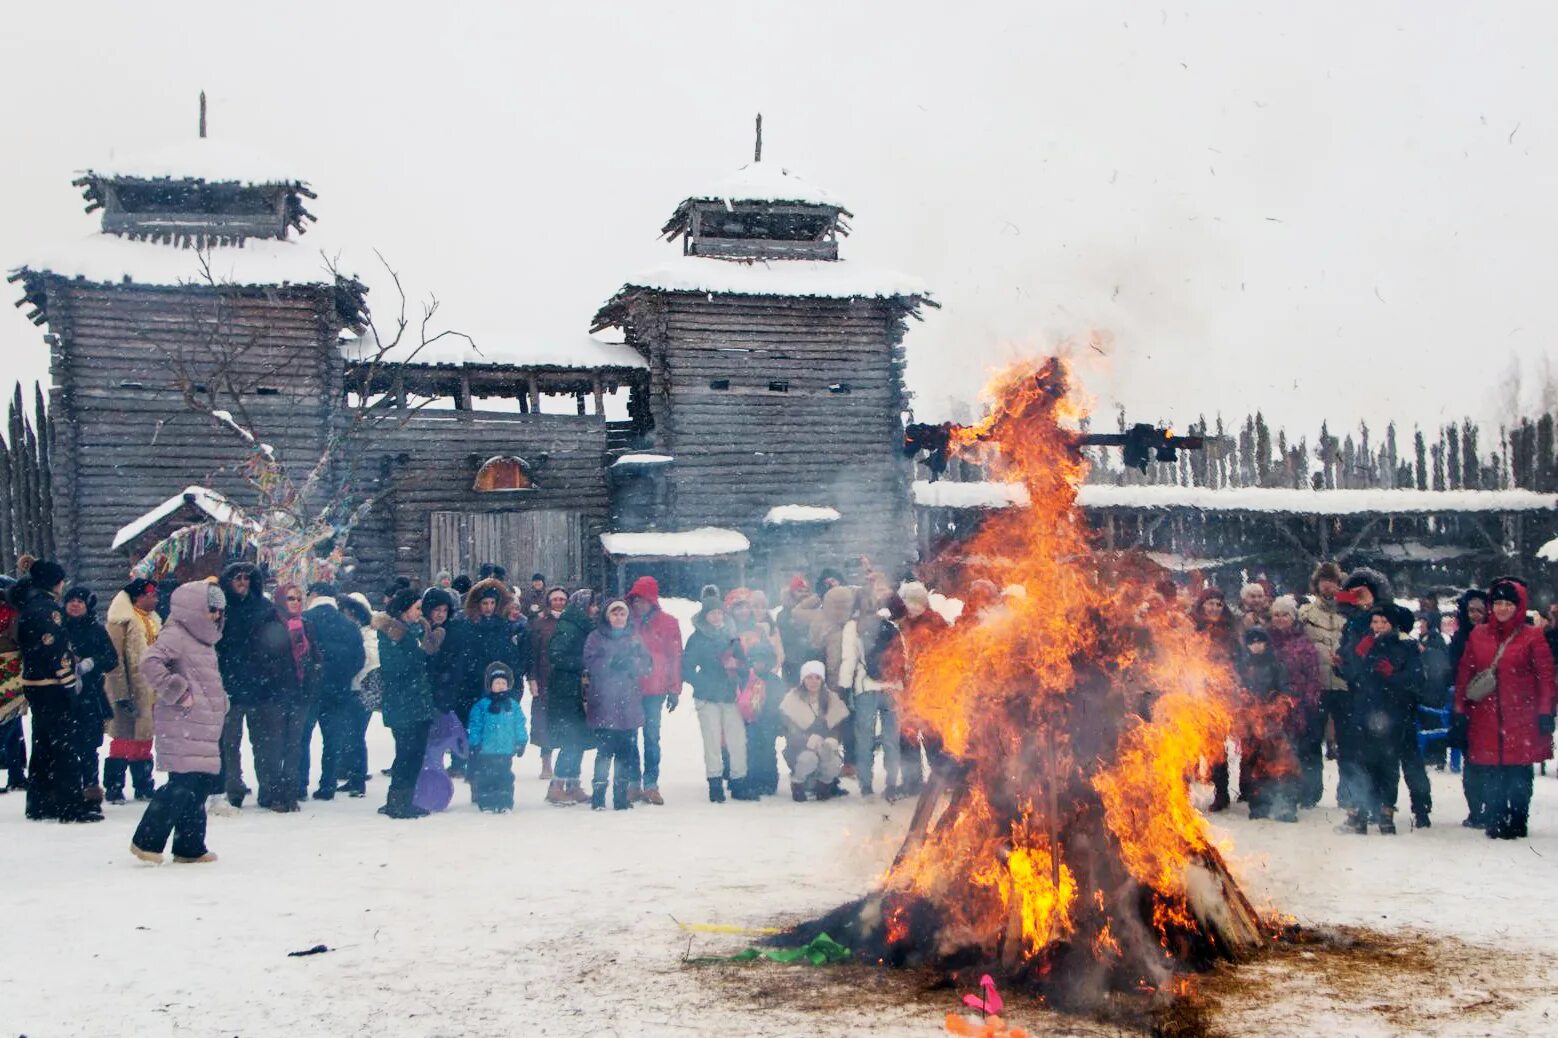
762,211
200,193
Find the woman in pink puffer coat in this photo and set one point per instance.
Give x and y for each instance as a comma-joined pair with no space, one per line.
187,724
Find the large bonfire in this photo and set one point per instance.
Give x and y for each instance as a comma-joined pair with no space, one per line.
1058,846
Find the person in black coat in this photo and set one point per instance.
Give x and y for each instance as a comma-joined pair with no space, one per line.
256,665
485,637
1385,672
339,643
442,619
90,709
49,678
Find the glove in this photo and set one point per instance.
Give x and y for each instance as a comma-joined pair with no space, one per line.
1544,724
1383,668
128,707
85,667
1458,726
520,750
671,702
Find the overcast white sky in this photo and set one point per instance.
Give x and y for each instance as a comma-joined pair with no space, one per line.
1319,209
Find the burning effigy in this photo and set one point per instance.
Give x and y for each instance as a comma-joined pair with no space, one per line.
1056,847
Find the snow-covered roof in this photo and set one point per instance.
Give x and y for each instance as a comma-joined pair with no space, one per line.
212,159
705,542
1549,551
213,504
945,494
1313,502
642,459
765,182
574,351
1174,561
780,514
110,259
827,279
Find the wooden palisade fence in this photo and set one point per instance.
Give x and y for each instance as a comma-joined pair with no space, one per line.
26,502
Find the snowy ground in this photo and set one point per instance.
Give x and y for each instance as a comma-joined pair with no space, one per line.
555,921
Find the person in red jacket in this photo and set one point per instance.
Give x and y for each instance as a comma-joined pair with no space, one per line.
1512,728
661,687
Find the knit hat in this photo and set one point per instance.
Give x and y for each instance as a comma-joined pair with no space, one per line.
913,592
738,596
798,585
83,593
434,597
1256,634
534,577
401,601
498,669
710,594
47,574
1286,605
613,604
1504,591
582,598
811,667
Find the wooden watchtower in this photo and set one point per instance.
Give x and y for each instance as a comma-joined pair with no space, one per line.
193,271
776,380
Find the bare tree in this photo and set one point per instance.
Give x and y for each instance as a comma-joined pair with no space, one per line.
305,509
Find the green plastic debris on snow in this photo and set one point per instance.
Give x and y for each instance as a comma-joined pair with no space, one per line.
821,950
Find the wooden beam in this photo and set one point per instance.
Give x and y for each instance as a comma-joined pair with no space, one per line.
599,394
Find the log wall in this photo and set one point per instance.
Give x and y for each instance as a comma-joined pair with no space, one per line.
126,441
829,435
426,463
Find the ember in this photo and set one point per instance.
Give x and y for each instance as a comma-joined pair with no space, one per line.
1057,847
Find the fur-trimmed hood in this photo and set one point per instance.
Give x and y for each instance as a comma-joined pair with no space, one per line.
480,590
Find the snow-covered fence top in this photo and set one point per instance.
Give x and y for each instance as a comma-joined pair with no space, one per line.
781,514
705,542
765,182
214,505
943,494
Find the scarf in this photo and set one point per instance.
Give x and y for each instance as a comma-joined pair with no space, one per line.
502,702
147,626
299,639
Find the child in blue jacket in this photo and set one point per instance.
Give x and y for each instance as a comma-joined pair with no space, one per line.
497,735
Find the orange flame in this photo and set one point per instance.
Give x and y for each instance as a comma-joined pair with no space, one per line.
1002,690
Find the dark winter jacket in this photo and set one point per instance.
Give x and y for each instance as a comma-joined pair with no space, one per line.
445,662
408,697
471,645
338,642
255,653
662,636
47,662
713,663
539,635
1505,727
1262,675
1385,674
565,717
89,641
1300,665
616,661
1463,625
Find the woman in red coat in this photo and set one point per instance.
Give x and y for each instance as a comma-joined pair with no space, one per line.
1512,728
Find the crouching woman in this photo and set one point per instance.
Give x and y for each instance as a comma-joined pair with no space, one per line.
186,725
814,717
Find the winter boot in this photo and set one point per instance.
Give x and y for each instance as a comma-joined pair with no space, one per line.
557,794
576,792
114,772
716,791
652,796
141,777
1387,821
1420,819
598,797
835,790
1219,800
152,857
546,765
1355,822
622,797
634,793
1518,824
742,789
798,792
205,858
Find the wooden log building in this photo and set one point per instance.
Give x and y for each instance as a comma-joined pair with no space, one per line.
764,379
